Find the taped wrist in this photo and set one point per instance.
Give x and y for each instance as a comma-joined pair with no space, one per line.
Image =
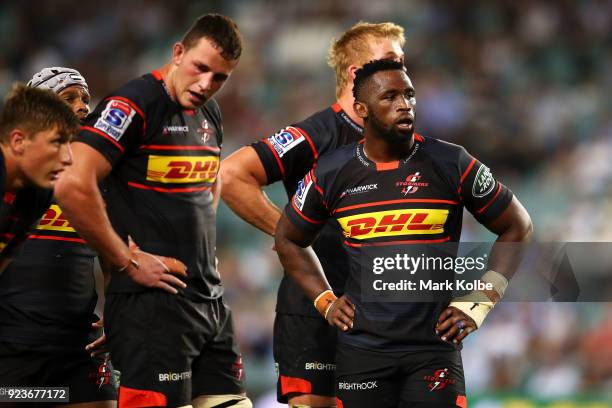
131,262
324,301
478,304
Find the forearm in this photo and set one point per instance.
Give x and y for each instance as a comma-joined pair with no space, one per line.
85,209
507,252
250,203
514,229
506,256
243,176
300,263
216,192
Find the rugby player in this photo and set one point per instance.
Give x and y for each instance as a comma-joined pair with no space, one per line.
157,140
35,128
48,294
304,345
407,353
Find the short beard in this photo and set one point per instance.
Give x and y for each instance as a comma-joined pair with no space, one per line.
389,135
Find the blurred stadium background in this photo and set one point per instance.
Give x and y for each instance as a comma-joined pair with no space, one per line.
524,85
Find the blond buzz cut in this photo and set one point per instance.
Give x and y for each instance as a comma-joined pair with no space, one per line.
352,48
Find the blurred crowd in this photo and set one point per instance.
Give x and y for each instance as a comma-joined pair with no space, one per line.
523,85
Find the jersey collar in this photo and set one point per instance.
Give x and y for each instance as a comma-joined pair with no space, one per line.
346,118
364,160
157,75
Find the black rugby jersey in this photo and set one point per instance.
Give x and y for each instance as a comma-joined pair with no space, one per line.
165,161
47,293
417,200
19,212
288,156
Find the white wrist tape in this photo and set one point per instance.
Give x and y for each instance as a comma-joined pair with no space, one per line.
477,304
499,282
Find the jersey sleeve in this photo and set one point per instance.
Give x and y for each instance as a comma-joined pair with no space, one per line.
36,201
288,154
307,209
483,196
117,125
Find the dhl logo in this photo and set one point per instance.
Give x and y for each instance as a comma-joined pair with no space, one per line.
183,169
54,220
393,223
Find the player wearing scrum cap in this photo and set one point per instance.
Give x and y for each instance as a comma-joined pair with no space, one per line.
48,296
68,83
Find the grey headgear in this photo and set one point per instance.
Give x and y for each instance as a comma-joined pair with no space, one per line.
57,79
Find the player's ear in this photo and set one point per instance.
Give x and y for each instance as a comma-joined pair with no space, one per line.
178,51
360,109
351,72
17,140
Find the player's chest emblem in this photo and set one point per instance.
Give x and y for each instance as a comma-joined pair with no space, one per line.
412,183
206,131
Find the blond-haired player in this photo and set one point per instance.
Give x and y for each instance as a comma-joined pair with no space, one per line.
304,345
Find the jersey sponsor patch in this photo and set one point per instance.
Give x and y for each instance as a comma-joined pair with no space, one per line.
302,191
285,140
174,129
115,118
54,220
483,183
359,190
393,223
182,169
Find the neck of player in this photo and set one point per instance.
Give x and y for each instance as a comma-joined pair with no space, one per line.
346,101
380,150
14,181
166,72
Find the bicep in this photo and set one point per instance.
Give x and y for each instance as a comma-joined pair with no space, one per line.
514,216
89,162
244,165
288,231
89,167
